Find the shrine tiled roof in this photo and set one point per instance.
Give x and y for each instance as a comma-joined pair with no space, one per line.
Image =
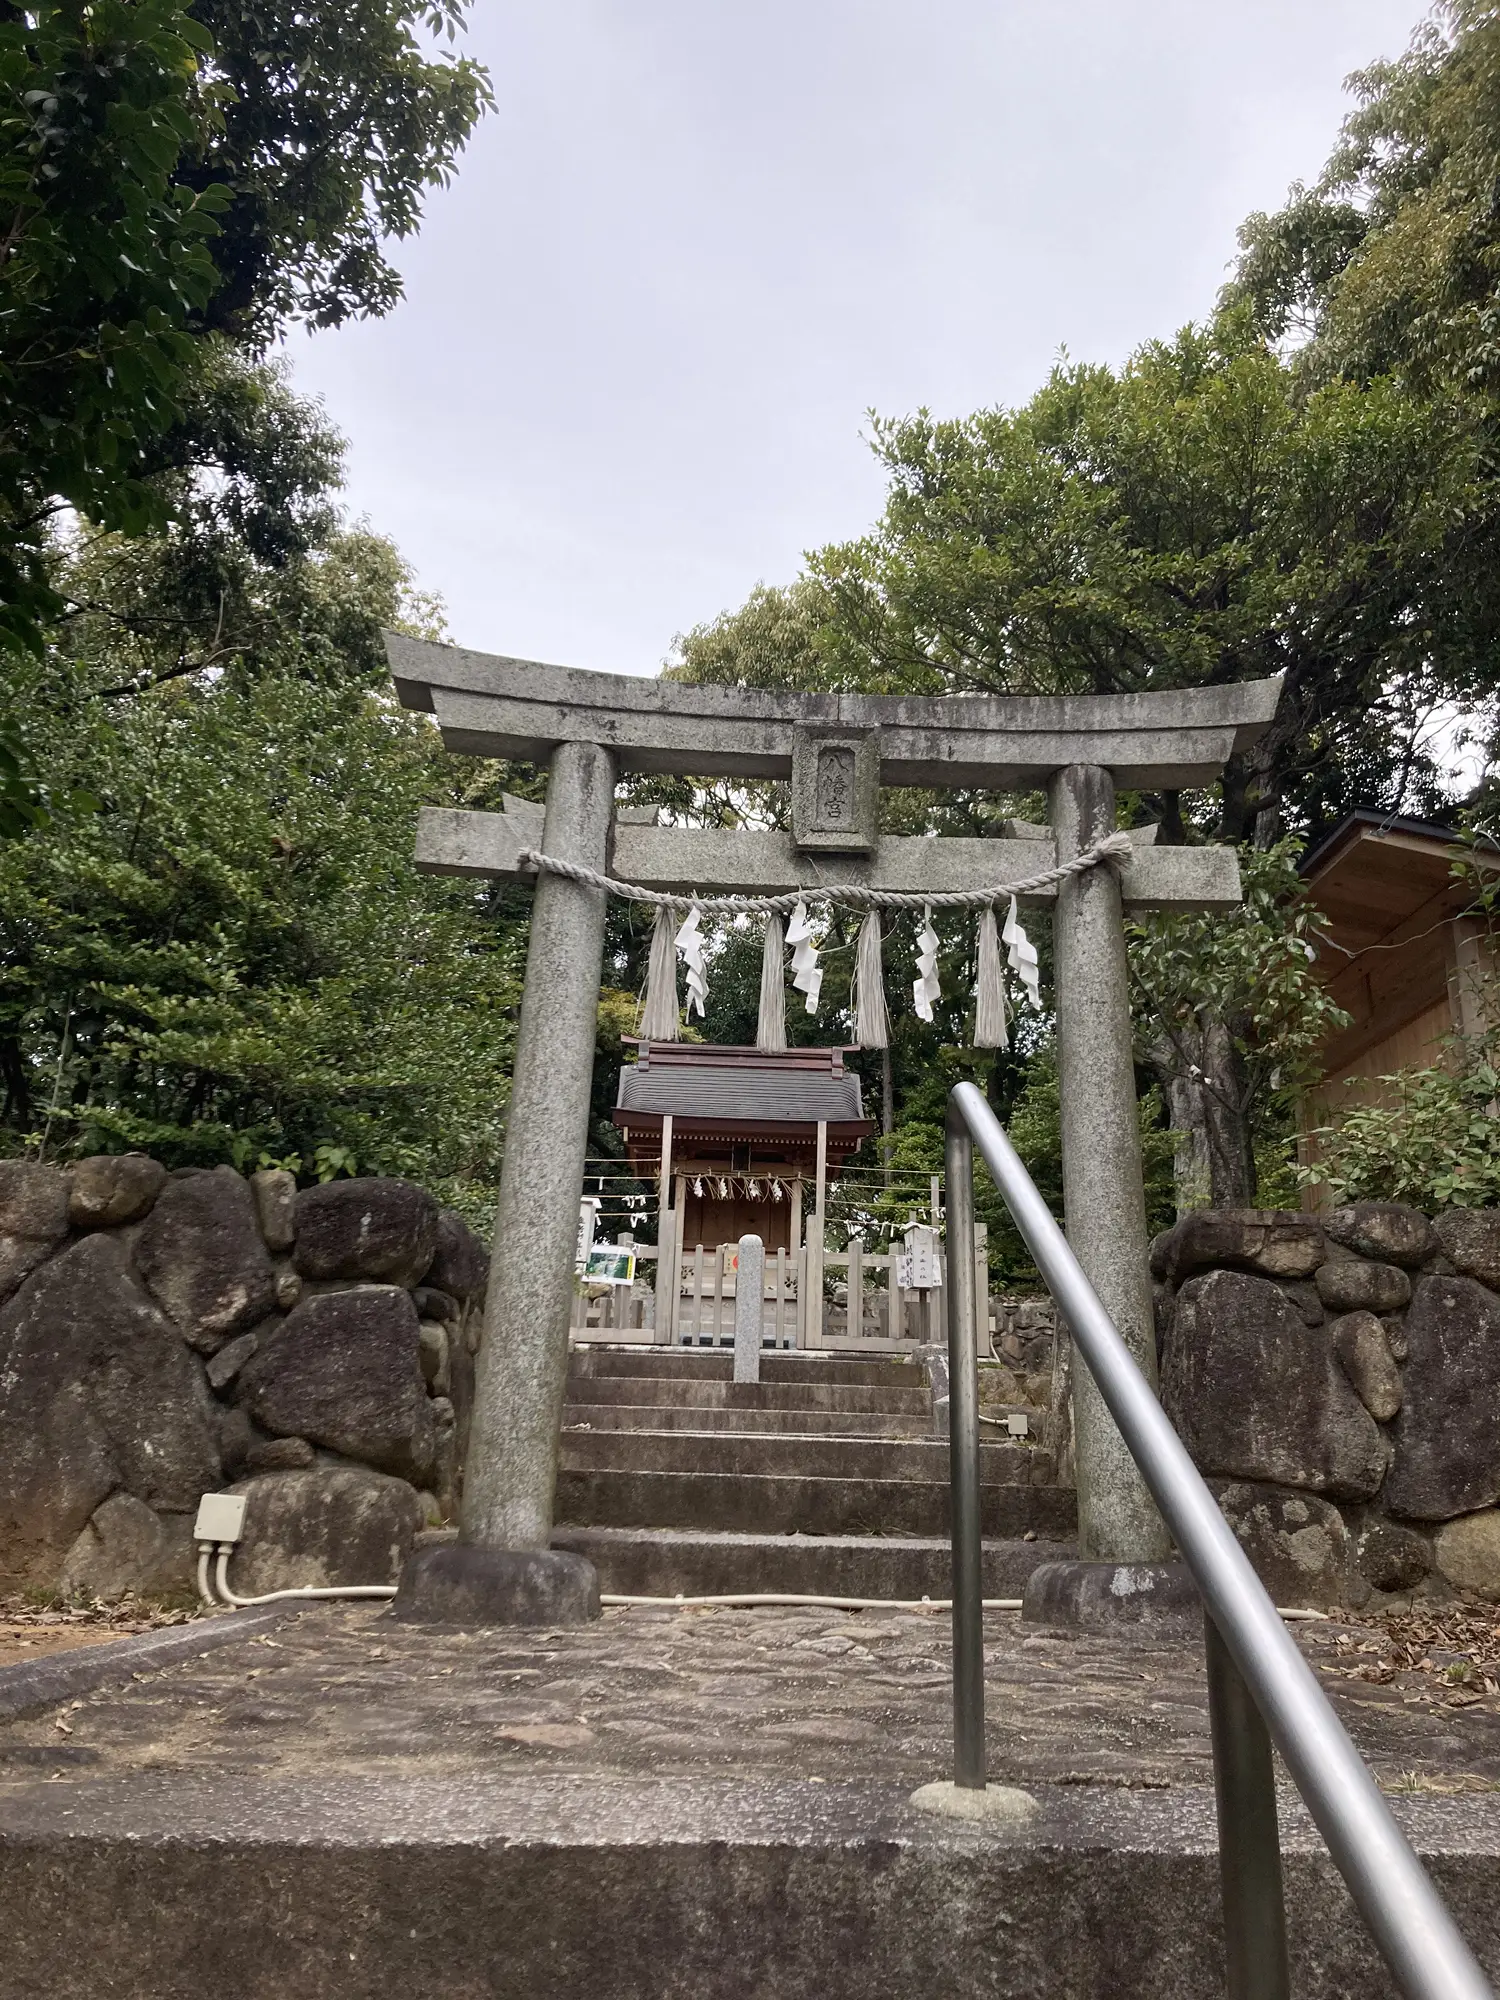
745,1087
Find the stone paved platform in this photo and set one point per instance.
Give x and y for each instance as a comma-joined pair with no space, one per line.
704,1802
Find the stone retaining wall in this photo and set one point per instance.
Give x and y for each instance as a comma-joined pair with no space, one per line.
167,1334
1337,1379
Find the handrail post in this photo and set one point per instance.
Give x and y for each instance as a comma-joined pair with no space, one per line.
1255,1953
963,1462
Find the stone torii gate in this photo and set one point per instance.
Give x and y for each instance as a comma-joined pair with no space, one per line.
589,729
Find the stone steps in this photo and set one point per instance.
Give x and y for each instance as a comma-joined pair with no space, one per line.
633,1418
705,1364
707,1393
698,1562
777,1504
796,1455
824,1478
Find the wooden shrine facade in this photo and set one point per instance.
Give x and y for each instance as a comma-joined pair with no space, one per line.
735,1136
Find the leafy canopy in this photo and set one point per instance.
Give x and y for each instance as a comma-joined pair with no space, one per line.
1390,263
171,172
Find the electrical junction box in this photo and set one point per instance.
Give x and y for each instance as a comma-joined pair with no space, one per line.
221,1518
919,1267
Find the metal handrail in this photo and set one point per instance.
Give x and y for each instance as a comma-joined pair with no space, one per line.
1258,1678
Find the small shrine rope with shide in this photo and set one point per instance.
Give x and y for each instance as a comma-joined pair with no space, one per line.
660,1017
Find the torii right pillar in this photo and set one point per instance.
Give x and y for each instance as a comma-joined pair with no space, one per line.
1103,1187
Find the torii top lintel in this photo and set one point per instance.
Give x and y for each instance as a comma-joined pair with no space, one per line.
490,706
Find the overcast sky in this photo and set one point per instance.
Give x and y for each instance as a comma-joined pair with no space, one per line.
698,239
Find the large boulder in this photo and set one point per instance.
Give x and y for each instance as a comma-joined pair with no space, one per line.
127,1547
344,1369
1352,1285
1386,1230
33,1200
384,1230
1467,1552
1470,1240
33,1218
329,1525
1364,1353
275,1192
200,1252
1391,1557
99,1394
460,1264
1299,1545
111,1189
1447,1435
1257,1394
1274,1243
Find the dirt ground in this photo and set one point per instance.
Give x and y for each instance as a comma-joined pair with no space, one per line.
30,1630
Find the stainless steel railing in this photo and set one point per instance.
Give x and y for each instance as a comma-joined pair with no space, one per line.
1261,1689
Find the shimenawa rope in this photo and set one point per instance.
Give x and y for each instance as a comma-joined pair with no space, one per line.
1113,847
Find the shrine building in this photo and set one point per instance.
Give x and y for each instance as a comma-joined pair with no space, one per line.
738,1134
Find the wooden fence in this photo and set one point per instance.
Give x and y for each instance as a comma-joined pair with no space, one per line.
830,1300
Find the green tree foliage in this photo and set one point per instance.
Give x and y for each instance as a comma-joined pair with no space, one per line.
1434,1142
1390,263
169,173
1187,521
232,957
103,262
336,119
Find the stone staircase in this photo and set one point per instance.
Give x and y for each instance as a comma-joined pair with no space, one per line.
824,1477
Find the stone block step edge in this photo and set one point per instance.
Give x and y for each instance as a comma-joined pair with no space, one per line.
804,1454
717,1364
1115,1893
630,1418
667,1562
31,1687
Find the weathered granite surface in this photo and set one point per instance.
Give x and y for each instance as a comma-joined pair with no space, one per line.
1373,1383
146,1356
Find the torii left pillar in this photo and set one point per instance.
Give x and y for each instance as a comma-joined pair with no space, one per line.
504,1569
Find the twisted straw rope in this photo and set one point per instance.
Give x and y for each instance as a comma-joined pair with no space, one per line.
1113,847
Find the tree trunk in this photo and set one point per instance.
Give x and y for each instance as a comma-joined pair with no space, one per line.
1202,1077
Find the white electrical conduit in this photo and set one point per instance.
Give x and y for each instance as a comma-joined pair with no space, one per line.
743,1599
306,1592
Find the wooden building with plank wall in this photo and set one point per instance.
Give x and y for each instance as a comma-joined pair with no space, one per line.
1403,954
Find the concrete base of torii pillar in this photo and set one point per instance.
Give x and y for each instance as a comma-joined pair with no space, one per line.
503,1570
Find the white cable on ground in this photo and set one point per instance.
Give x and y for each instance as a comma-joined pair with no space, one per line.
752,1597
742,1600
305,1591
747,1598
